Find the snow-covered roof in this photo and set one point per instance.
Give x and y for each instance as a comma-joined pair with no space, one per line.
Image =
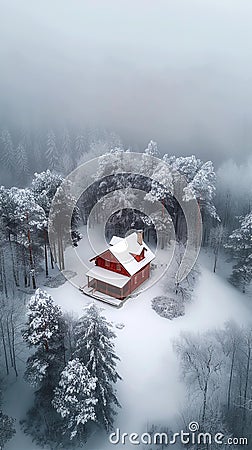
115,240
116,279
123,248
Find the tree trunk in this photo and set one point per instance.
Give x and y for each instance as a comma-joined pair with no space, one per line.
5,289
61,251
13,346
204,404
62,255
31,255
243,286
215,262
4,347
51,258
24,268
59,254
54,252
9,341
15,273
46,256
246,388
231,378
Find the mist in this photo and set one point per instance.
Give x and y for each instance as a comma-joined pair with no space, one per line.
176,72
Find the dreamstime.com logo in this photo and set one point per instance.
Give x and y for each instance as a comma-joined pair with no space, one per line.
132,166
192,436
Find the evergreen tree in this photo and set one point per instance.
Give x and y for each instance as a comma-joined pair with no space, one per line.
43,370
46,331
187,166
7,153
44,320
152,149
147,163
75,400
52,155
200,177
240,245
79,146
66,142
202,187
44,186
23,219
67,162
47,185
21,161
7,429
95,349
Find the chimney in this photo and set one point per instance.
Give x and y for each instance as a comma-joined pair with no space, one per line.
140,237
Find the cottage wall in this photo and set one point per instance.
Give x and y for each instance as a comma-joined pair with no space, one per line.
139,277
109,262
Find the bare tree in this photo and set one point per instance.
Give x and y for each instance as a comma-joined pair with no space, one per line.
218,235
201,362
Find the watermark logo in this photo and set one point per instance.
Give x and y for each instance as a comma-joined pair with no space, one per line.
162,181
192,436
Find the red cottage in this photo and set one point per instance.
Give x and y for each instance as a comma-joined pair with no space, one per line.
121,268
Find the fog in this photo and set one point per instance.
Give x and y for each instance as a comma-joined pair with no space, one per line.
176,71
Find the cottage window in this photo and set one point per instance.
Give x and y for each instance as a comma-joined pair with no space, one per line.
118,267
143,273
107,263
136,279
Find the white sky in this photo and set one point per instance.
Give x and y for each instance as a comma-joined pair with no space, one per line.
177,71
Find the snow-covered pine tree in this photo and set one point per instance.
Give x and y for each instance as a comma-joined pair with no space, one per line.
152,149
95,349
51,153
46,331
44,186
147,163
75,400
43,372
163,225
96,148
67,162
7,429
200,177
22,219
197,182
162,183
187,166
59,230
45,321
202,187
21,161
47,185
240,245
38,151
79,146
7,153
30,220
66,142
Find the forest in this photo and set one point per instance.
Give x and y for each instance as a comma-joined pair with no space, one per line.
71,362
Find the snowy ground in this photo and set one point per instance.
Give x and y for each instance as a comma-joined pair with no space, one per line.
151,391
